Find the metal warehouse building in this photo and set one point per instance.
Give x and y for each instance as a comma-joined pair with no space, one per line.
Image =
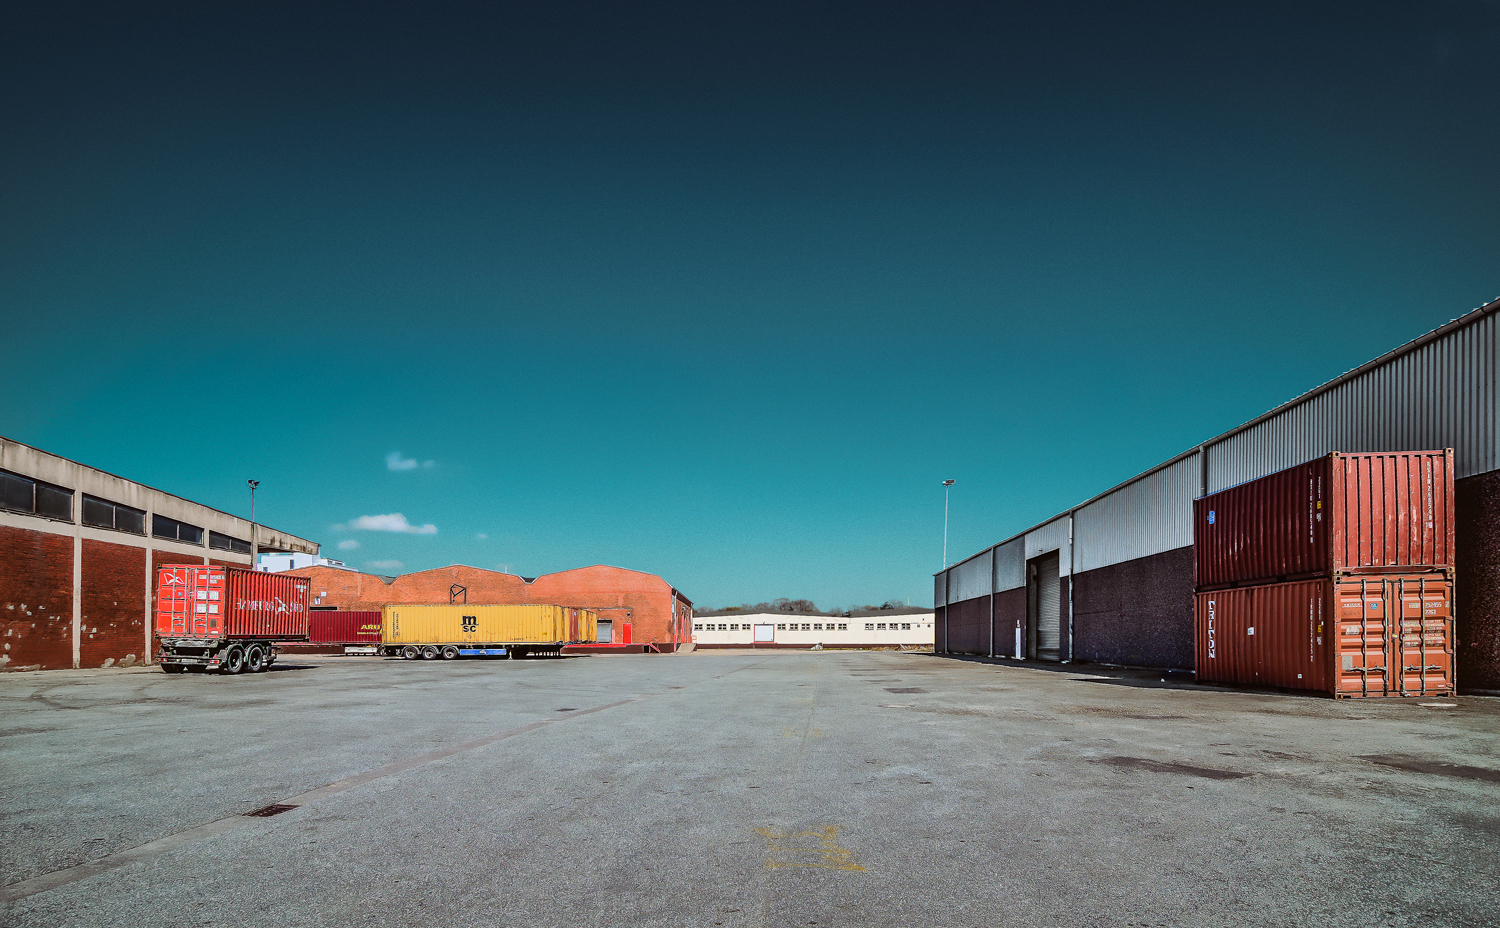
1111,580
78,550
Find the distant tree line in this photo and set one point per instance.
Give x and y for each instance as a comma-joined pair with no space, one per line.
802,607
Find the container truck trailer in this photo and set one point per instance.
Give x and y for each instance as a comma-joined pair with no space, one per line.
226,619
451,632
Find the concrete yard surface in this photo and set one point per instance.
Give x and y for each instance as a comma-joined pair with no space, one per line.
737,788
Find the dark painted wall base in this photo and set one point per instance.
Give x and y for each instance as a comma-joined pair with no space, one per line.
1139,612
1477,612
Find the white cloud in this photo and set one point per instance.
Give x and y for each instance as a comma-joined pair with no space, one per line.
341,527
481,536
348,544
394,461
392,522
385,565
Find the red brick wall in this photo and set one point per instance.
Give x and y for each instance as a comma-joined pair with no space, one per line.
112,604
612,591
36,599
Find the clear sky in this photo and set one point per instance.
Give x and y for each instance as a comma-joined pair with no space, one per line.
715,290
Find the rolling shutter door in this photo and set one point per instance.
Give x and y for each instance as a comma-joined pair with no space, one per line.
1048,608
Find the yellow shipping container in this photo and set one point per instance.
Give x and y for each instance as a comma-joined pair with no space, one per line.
477,631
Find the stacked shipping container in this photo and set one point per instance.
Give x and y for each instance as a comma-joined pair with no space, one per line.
1335,575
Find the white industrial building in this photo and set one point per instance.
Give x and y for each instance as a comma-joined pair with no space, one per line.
885,629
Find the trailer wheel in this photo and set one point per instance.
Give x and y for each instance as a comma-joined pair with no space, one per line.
450,653
255,659
430,653
410,653
233,661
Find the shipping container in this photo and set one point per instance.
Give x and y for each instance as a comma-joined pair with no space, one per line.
226,618
1369,635
1388,512
430,632
337,627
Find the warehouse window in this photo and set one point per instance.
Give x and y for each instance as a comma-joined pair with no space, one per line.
906,626
162,527
843,626
880,627
781,627
226,543
806,627
104,514
22,494
817,626
723,627
869,626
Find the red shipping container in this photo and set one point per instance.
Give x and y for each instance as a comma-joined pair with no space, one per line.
1387,512
199,601
1377,635
330,626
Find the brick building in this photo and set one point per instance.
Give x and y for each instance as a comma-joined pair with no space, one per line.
78,551
656,611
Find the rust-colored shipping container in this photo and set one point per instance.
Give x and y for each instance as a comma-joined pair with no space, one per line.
1385,512
200,601
1371,635
330,626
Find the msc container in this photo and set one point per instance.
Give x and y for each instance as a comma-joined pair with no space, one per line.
226,618
351,629
430,632
1386,512
1372,635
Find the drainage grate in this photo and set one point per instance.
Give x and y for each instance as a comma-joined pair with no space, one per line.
275,808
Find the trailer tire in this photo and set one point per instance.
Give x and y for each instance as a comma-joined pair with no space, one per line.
450,653
410,653
430,653
255,659
233,661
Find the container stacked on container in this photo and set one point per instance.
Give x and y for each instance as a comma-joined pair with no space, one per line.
1334,575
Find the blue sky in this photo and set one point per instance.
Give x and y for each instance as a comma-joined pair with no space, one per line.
717,291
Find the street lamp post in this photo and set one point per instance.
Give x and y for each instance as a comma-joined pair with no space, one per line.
254,552
947,485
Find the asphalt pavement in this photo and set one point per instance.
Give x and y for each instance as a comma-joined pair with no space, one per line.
736,788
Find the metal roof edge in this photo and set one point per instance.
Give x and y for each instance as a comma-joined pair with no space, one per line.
1466,319
148,486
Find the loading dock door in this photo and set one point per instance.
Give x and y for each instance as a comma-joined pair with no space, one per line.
606,630
765,634
1043,605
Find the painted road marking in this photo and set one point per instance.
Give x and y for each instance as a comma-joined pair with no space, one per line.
815,849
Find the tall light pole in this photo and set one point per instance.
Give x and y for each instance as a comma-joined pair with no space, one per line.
254,553
947,486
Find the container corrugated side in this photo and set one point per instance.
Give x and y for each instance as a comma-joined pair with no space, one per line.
330,626
1374,512
205,601
1377,635
266,605
473,624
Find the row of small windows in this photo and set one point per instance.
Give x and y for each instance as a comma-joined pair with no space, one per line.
805,626
33,497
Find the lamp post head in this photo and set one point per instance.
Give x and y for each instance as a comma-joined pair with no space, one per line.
253,483
947,483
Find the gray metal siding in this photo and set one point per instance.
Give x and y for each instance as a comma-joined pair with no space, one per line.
1152,515
1441,395
1010,565
1440,391
969,580
1052,536
940,589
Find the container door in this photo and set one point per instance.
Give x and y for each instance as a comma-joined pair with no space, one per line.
572,624
1042,597
1363,632
1422,646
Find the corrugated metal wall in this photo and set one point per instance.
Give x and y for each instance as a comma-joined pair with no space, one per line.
1441,394
1152,515
940,589
970,579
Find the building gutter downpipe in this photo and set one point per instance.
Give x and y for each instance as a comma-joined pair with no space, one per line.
1072,561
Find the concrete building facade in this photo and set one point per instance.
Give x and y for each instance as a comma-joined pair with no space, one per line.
79,549
657,612
1111,579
